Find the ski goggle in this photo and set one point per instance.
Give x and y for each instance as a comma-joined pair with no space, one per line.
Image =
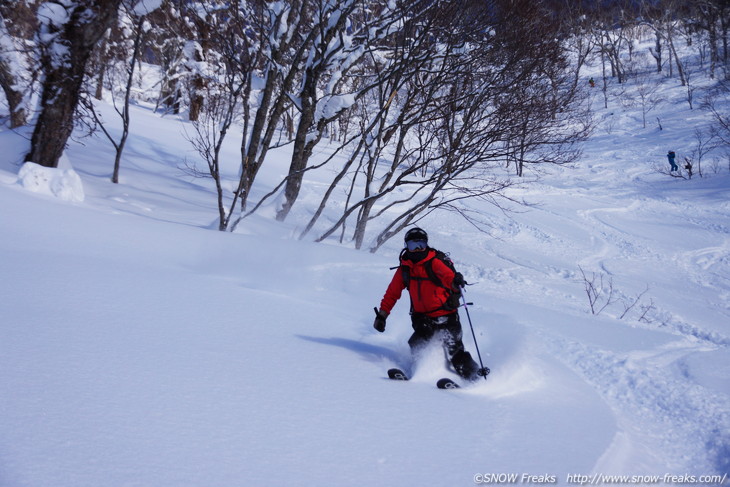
413,245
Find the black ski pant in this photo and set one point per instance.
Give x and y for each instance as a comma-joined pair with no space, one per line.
447,329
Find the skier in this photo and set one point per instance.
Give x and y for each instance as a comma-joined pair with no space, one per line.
670,157
434,288
592,82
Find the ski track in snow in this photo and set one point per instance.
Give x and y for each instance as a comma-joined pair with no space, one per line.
683,426
659,409
664,416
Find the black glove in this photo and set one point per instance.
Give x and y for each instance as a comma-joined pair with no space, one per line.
459,281
380,317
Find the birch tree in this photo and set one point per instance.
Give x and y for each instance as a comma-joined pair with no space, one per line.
11,80
132,31
17,28
441,136
344,37
284,34
69,30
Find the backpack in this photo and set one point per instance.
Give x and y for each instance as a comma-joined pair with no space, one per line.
452,302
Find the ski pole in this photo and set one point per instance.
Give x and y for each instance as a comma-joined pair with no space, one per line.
483,371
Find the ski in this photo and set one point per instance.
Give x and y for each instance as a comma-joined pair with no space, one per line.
447,383
397,374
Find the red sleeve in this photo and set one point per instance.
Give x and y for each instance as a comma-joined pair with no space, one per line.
394,291
442,271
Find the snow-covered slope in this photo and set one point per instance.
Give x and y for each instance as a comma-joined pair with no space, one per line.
140,347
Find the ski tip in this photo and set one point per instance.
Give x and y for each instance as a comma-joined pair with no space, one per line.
447,383
397,374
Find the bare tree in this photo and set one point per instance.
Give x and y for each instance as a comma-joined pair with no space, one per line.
233,58
399,75
135,24
337,48
706,141
216,118
707,14
197,56
644,93
65,49
668,19
575,32
10,78
18,70
657,50
284,34
446,113
673,28
715,101
599,291
165,42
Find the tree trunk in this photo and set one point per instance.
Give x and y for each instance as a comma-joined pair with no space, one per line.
302,147
714,51
724,25
196,100
88,21
680,68
281,71
605,82
304,140
100,60
127,95
9,83
15,97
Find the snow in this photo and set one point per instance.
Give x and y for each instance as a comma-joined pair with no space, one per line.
64,184
54,14
146,7
141,347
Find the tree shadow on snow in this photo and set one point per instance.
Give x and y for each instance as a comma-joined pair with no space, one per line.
368,352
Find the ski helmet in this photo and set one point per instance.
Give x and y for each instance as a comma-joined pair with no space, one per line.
416,234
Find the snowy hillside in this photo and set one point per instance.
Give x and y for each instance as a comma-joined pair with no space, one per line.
140,347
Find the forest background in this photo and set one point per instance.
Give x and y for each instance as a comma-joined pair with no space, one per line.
428,102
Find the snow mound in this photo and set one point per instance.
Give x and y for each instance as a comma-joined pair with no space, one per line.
61,183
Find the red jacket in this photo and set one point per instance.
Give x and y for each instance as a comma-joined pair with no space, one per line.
426,296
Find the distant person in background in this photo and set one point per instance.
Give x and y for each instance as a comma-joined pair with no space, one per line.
670,157
592,82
